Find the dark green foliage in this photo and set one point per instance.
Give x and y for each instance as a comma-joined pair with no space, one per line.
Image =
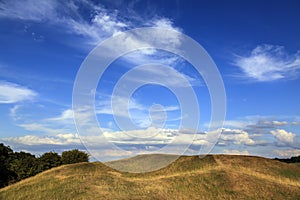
5,173
15,166
23,165
48,160
295,159
74,156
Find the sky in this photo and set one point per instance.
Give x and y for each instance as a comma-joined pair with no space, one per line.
254,44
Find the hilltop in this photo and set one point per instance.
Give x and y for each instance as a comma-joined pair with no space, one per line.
213,177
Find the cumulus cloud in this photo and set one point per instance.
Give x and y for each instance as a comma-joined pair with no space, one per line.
13,93
39,144
280,123
59,139
283,137
237,136
149,140
149,136
287,153
235,152
268,63
261,124
114,153
145,138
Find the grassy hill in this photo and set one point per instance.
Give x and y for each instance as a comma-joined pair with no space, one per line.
213,177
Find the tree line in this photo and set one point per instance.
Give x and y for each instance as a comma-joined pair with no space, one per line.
15,166
295,159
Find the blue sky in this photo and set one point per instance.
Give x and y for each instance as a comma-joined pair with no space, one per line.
255,46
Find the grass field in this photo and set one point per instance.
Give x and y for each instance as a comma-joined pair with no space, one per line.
213,177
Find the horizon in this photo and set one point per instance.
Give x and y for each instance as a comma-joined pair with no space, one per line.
253,44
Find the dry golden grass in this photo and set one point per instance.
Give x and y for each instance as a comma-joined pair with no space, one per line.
213,177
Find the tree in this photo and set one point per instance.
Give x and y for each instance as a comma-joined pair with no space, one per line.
48,160
15,166
74,156
295,159
5,173
23,165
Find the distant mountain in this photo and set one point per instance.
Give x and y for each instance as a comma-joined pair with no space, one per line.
213,177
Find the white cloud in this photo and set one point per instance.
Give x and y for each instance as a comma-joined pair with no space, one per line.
114,153
274,123
268,63
65,115
59,139
133,109
295,123
237,136
235,152
102,23
41,128
283,136
287,153
149,136
164,75
280,123
108,23
164,23
259,122
235,123
28,9
13,112
13,93
138,141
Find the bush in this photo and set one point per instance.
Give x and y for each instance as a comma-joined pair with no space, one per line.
48,160
74,156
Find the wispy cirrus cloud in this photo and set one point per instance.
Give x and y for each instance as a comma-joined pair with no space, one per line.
268,63
28,10
68,15
13,93
67,116
39,127
93,22
100,22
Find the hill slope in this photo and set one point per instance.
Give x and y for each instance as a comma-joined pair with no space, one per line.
214,177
